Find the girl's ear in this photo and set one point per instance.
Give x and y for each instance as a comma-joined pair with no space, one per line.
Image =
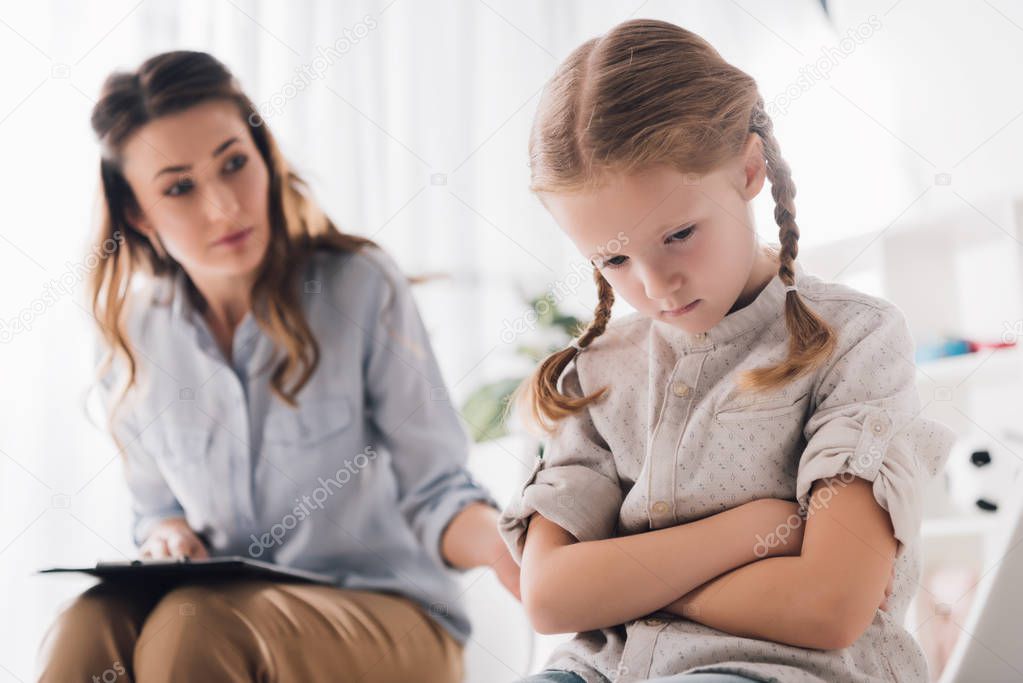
754,167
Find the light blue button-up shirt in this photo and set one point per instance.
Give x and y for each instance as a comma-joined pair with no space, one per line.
358,482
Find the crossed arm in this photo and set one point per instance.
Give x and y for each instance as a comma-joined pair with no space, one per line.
818,588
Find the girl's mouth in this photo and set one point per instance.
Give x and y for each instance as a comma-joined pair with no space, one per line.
682,311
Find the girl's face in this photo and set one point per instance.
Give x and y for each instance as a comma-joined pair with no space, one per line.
679,248
202,189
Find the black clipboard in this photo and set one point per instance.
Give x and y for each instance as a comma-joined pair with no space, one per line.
187,570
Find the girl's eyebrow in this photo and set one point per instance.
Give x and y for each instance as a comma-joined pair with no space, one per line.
666,226
676,224
186,167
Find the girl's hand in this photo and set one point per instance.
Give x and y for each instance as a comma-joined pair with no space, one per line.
507,571
777,527
173,538
888,591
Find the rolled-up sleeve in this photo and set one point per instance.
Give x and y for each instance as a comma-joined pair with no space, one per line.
575,484
867,422
413,413
151,499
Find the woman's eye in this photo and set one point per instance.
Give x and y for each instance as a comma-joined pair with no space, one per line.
682,235
181,187
615,261
235,163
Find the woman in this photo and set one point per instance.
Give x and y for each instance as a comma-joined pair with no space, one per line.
274,394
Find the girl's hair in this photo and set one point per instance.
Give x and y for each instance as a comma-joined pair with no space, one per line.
649,93
166,84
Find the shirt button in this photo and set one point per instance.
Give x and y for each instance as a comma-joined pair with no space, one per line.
660,507
653,621
701,336
878,427
680,389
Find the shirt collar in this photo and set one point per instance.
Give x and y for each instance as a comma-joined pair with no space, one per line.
768,305
185,317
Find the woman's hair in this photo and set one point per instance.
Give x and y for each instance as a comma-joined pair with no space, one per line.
646,94
166,84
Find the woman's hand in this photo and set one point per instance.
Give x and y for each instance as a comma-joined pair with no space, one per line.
173,538
471,540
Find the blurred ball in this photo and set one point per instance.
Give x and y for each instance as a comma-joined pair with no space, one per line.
983,474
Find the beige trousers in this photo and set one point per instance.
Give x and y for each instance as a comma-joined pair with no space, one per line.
245,631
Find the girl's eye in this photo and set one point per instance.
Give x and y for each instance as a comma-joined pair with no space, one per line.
181,187
235,163
682,235
614,261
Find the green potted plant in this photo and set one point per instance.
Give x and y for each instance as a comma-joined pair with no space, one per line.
550,329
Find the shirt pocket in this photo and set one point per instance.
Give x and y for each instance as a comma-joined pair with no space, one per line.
314,423
759,445
764,410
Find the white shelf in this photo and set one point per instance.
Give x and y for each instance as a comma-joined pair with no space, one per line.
966,525
998,364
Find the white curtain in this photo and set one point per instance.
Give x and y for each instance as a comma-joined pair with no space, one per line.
410,121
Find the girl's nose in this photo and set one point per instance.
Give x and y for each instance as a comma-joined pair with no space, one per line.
660,283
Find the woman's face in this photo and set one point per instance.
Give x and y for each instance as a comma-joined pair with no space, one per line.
202,189
678,248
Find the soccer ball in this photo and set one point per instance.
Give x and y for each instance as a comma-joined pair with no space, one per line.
983,472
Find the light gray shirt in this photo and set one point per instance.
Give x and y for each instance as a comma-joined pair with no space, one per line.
358,482
676,440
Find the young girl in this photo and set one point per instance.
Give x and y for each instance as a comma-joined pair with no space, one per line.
661,521
274,394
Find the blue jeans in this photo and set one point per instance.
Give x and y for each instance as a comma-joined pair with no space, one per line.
555,676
